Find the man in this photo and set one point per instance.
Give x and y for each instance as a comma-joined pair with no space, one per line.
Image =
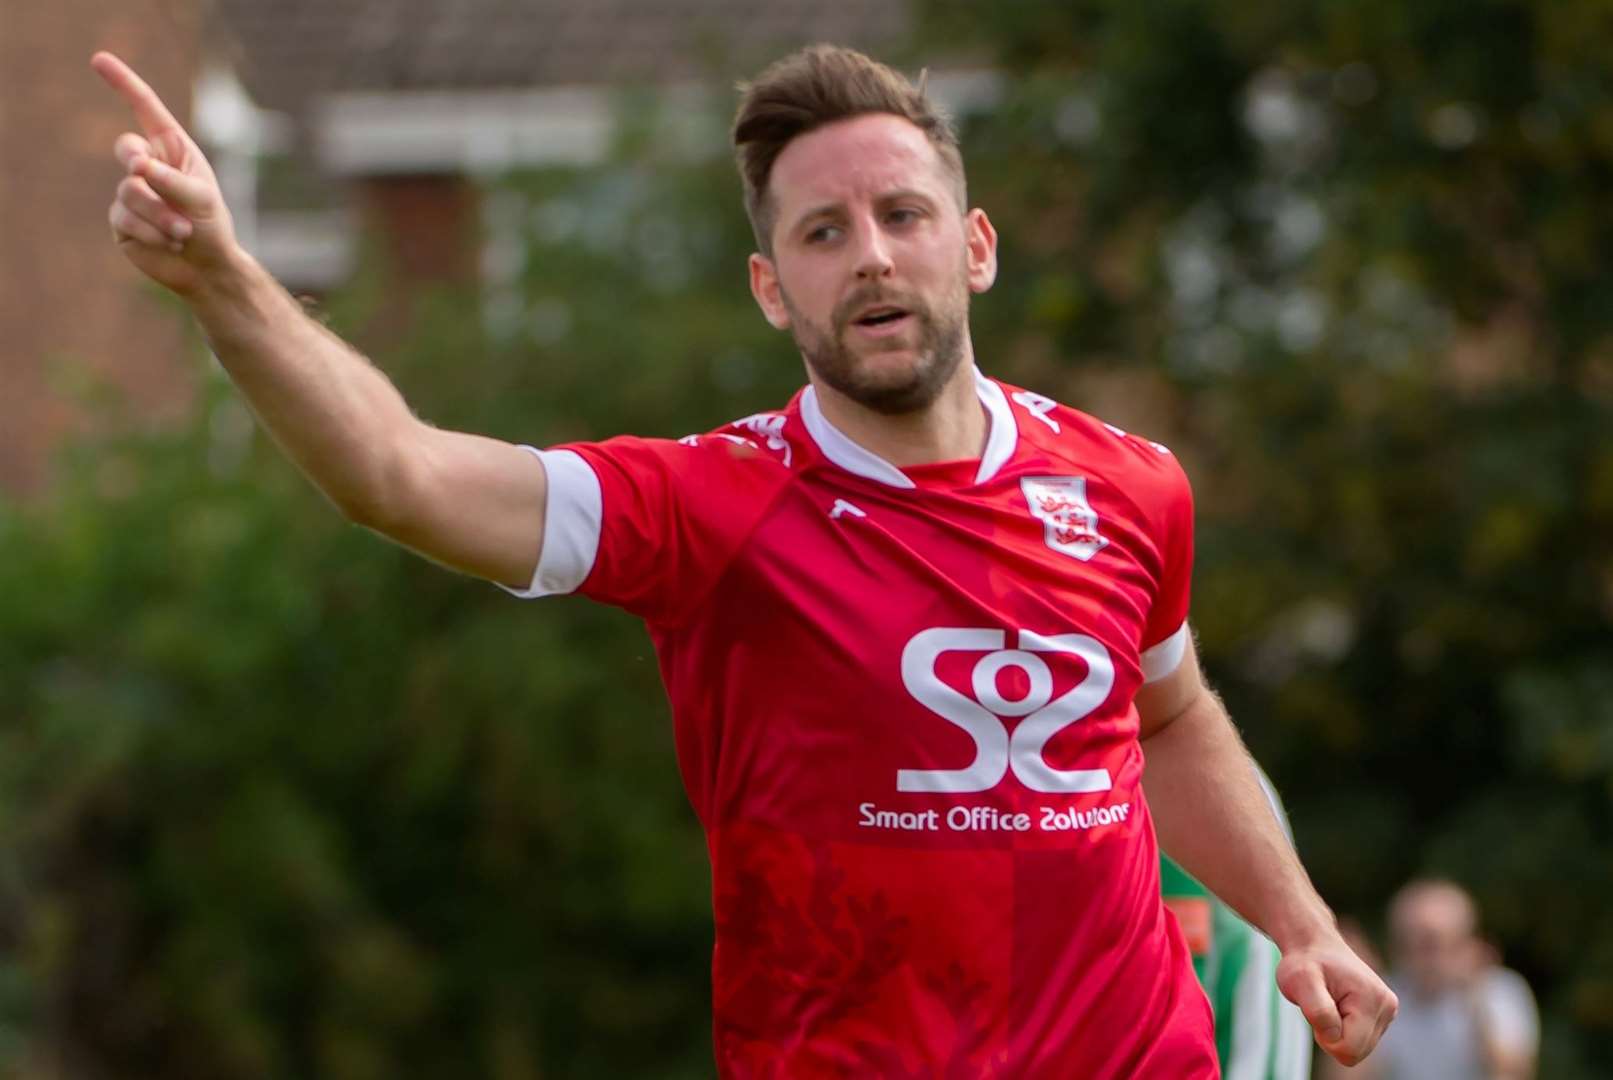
917,627
1259,1035
1464,1017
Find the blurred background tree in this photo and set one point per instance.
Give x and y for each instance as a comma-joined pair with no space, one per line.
1354,260
277,800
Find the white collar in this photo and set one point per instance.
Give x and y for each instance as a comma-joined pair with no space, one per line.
838,447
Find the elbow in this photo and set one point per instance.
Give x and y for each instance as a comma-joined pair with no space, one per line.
364,509
380,496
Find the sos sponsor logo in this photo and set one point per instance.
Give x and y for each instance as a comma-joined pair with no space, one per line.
994,697
981,715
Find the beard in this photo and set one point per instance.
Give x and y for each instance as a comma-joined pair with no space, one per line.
939,350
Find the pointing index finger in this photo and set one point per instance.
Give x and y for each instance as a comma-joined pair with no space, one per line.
153,115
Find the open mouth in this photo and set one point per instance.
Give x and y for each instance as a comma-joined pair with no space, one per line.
883,316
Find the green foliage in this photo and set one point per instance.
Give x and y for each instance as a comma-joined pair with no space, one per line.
1351,260
279,800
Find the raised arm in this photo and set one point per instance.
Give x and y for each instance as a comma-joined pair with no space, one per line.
1213,818
472,503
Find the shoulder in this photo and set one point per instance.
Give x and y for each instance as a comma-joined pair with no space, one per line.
1060,431
755,446
763,439
1504,984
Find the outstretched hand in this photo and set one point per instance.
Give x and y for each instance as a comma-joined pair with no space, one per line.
168,216
1348,1005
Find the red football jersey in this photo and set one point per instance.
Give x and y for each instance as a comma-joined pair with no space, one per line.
903,709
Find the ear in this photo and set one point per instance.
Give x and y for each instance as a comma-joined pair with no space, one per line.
764,285
980,242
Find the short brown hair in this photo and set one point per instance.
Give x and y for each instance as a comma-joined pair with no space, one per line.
816,86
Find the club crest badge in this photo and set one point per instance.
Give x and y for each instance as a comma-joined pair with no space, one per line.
1070,524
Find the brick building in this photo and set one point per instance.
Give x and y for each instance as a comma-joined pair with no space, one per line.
70,311
386,111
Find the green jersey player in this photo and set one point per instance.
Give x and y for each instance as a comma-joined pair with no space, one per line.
1259,1034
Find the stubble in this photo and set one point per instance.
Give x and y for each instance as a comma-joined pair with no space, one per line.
832,359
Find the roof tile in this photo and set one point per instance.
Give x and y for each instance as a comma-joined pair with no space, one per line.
289,50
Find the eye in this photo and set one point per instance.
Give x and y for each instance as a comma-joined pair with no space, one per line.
822,234
902,215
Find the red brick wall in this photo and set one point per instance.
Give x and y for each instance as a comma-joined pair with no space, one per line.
422,230
68,300
427,225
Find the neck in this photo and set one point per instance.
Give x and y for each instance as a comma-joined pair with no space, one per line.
953,427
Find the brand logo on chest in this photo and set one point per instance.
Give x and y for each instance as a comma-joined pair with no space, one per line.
1070,525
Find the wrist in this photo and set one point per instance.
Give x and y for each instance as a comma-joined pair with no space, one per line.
236,300
225,281
1303,926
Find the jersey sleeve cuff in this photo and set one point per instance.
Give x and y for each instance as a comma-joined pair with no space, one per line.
1160,660
572,517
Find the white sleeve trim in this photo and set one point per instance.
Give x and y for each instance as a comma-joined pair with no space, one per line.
572,517
1164,658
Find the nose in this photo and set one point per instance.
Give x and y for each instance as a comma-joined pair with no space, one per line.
873,253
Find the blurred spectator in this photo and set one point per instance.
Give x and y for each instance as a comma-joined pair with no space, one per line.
1259,1034
1462,1015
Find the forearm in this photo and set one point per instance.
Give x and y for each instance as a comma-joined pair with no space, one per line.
1213,818
333,413
469,502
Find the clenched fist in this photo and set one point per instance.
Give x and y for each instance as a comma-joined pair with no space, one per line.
1347,1004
